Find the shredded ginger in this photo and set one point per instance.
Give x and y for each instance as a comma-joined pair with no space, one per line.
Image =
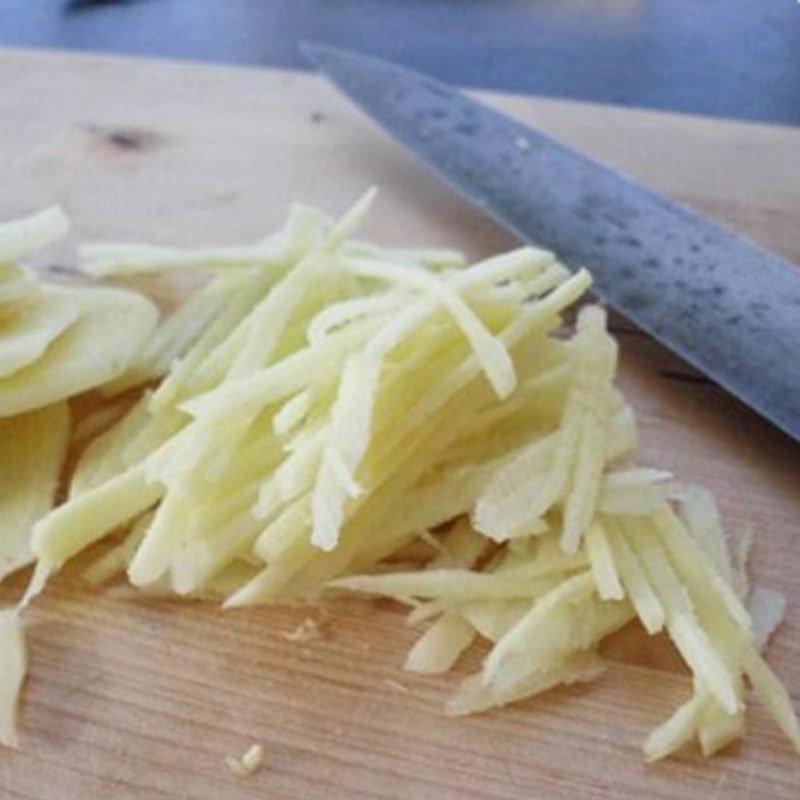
326,415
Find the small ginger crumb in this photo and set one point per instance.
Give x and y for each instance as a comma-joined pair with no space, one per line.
307,631
245,766
396,685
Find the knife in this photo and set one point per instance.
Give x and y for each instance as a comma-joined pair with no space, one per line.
725,305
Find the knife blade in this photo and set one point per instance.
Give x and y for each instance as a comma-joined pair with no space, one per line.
724,304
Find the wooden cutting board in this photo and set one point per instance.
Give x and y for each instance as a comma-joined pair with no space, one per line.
143,699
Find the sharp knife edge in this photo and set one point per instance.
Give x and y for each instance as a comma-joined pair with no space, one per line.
724,304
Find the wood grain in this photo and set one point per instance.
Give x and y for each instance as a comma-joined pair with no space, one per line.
134,699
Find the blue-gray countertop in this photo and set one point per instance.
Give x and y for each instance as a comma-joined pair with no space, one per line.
730,58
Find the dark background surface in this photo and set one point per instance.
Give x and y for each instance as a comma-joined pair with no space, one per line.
730,58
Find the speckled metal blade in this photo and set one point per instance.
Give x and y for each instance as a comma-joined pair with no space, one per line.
724,304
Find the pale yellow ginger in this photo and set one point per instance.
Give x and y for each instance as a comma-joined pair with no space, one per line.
336,416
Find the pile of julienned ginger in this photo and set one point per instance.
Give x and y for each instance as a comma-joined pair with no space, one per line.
325,415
